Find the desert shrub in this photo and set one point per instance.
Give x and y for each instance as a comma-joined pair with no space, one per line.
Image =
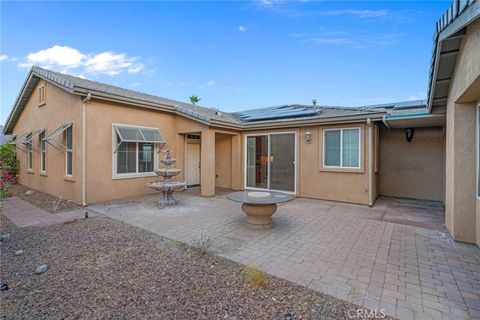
256,278
203,243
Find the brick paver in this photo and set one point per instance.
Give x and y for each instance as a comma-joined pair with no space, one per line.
344,250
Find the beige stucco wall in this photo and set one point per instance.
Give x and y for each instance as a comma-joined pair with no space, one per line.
461,204
413,169
331,184
314,181
101,185
223,160
60,107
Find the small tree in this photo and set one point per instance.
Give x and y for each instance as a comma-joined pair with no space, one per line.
194,100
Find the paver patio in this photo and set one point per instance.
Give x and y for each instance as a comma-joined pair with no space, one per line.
349,251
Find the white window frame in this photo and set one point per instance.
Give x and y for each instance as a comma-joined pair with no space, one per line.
43,152
67,151
30,155
341,166
136,174
245,158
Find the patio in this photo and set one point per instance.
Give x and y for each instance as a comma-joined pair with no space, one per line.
394,256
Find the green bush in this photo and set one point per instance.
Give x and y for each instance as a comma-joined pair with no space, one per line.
8,168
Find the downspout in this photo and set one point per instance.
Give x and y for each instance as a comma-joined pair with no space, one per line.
386,123
370,176
84,148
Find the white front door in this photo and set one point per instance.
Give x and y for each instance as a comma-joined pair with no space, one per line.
193,164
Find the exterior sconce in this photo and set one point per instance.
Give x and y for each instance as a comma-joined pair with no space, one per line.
308,136
409,134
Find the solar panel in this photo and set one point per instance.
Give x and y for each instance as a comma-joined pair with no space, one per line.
279,112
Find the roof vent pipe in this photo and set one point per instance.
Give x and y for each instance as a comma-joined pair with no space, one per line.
314,103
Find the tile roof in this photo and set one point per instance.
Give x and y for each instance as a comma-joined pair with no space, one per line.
72,82
239,120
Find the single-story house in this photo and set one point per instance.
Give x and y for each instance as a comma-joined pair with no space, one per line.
90,142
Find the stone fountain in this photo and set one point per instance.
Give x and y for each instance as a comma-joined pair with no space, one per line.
167,186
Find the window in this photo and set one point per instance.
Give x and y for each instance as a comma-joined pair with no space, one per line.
41,95
43,151
135,151
29,153
69,151
341,148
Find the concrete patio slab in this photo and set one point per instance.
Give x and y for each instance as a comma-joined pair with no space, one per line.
348,251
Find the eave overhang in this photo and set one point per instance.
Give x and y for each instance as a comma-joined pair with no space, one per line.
415,120
449,33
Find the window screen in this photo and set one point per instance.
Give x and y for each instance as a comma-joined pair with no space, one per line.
332,148
342,148
350,148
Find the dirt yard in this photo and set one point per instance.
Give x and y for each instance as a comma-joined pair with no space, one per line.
42,200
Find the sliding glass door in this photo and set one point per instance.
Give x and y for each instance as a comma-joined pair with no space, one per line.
257,162
270,161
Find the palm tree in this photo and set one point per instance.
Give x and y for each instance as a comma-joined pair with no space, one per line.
194,100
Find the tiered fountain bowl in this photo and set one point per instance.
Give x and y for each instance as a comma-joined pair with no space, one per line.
166,186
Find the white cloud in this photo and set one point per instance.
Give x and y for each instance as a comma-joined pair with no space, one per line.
112,63
242,28
418,96
270,2
60,56
317,40
210,83
3,57
64,59
357,39
361,14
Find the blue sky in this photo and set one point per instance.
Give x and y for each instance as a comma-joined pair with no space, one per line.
233,55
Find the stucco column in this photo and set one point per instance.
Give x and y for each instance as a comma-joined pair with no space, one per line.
207,163
460,172
237,172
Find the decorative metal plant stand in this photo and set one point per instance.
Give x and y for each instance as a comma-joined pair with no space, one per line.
167,186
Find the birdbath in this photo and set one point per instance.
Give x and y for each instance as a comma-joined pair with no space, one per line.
259,206
167,186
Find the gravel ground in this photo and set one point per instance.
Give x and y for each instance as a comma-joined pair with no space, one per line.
42,200
102,268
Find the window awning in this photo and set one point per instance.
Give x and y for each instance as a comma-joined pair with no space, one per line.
18,141
138,134
21,138
29,138
55,133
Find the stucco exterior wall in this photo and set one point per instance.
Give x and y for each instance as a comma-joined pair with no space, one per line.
101,184
314,181
413,169
223,160
460,197
60,107
331,184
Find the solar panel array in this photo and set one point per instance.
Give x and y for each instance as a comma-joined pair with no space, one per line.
279,112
